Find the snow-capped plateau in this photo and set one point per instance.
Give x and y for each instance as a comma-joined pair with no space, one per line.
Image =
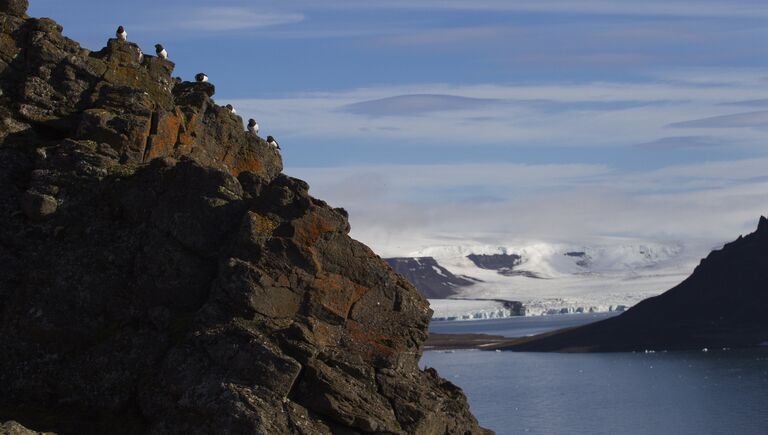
556,278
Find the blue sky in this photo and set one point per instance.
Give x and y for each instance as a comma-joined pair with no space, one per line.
541,119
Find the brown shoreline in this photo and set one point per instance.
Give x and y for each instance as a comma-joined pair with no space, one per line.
466,341
437,341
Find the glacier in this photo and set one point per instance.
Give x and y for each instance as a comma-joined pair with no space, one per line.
606,275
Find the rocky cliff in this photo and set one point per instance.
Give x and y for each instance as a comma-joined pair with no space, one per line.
159,274
724,303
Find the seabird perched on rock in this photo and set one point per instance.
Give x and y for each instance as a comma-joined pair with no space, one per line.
201,77
161,53
253,126
231,109
121,33
271,141
141,55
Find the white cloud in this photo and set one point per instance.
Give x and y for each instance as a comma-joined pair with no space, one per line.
712,202
585,114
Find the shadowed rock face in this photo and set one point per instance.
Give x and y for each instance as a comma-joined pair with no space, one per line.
159,274
432,280
496,261
722,304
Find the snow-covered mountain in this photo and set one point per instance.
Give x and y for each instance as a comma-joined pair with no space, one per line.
554,278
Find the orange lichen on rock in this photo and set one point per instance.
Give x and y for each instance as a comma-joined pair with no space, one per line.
336,293
165,134
308,228
261,226
246,160
187,133
367,341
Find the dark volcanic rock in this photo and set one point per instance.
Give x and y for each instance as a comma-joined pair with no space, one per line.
504,264
495,261
722,304
159,274
14,7
432,280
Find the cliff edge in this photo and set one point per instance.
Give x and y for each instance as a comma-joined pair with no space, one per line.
159,273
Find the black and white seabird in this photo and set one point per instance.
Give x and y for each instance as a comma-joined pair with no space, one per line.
271,141
231,109
253,126
121,33
201,77
161,53
141,55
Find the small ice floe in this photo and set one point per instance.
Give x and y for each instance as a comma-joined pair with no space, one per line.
705,350
498,350
649,351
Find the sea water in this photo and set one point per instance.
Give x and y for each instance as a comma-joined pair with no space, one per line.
698,392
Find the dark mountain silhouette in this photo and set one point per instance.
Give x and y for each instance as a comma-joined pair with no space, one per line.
724,303
432,280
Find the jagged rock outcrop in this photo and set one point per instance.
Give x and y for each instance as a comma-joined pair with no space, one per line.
722,304
159,274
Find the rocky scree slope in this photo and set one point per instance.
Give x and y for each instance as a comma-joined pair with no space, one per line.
159,274
722,304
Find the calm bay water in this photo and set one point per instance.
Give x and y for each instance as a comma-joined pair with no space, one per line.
716,392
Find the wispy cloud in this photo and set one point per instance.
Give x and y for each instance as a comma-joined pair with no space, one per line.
404,105
676,8
673,142
749,103
223,18
595,114
737,120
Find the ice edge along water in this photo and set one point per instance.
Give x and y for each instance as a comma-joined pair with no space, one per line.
571,278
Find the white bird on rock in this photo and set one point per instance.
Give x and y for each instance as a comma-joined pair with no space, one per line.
253,126
161,53
271,141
